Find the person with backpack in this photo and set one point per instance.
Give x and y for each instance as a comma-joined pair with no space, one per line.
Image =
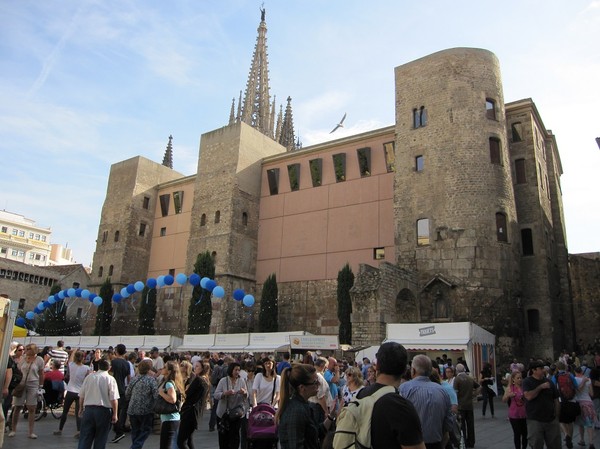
380,418
297,426
569,408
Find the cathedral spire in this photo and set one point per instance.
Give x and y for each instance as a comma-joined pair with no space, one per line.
256,108
231,113
287,129
168,159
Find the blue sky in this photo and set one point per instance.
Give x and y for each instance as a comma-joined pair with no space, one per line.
85,84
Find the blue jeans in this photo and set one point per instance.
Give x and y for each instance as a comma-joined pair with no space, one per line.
168,430
141,428
95,427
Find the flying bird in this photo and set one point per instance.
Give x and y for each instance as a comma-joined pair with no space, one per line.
339,125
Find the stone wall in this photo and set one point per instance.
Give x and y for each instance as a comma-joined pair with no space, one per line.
585,288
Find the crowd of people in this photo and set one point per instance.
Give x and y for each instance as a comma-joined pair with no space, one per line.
127,391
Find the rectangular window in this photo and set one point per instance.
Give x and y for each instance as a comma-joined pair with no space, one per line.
21,253
294,176
527,241
419,117
15,252
15,231
273,179
520,171
164,204
490,108
533,320
37,237
378,253
172,271
390,156
104,236
339,166
501,231
364,161
146,202
21,233
419,163
142,229
495,151
31,235
178,201
43,238
163,232
5,229
516,131
3,250
31,255
38,257
423,232
316,171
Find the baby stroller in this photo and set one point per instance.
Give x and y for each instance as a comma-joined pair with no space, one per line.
262,430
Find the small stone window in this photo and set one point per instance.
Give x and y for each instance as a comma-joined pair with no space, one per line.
419,163
533,320
142,231
100,271
244,219
203,220
273,179
495,156
419,117
501,231
490,108
146,202
423,232
163,231
110,270
218,216
117,234
517,131
527,241
104,236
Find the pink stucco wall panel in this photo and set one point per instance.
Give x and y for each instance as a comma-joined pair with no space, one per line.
304,234
271,206
270,231
353,227
304,268
306,200
266,267
354,192
386,224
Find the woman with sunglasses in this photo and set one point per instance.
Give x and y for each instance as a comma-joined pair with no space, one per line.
297,429
32,367
354,383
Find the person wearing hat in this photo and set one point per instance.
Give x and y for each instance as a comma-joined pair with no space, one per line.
542,408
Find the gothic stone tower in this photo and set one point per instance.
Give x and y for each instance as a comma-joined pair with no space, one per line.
454,204
225,214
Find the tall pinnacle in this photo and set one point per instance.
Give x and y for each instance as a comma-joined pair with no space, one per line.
256,109
168,159
287,128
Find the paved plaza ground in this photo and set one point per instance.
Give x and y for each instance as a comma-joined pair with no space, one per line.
489,433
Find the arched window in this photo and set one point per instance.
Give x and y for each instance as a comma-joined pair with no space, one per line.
501,231
100,271
214,257
218,216
203,220
117,236
244,219
110,270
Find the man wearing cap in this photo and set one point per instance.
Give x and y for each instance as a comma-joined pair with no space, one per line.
542,408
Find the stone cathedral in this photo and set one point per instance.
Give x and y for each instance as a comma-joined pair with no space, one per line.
453,213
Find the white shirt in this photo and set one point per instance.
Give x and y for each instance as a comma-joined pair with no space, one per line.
77,374
99,388
264,388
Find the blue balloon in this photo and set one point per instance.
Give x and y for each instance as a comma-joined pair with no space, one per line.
124,292
85,294
51,300
78,292
116,298
151,283
61,294
218,291
203,282
97,301
72,292
46,305
36,310
130,289
169,279
20,321
41,305
66,293
181,278
210,285
238,294
91,297
57,298
194,279
248,300
30,315
139,286
160,281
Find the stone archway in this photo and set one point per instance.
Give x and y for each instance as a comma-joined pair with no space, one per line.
406,307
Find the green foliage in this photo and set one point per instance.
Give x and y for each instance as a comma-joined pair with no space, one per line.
345,282
104,312
147,312
200,309
268,316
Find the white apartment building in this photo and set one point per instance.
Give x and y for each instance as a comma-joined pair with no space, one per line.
22,240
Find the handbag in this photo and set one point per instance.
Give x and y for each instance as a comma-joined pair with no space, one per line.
234,413
162,407
20,389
